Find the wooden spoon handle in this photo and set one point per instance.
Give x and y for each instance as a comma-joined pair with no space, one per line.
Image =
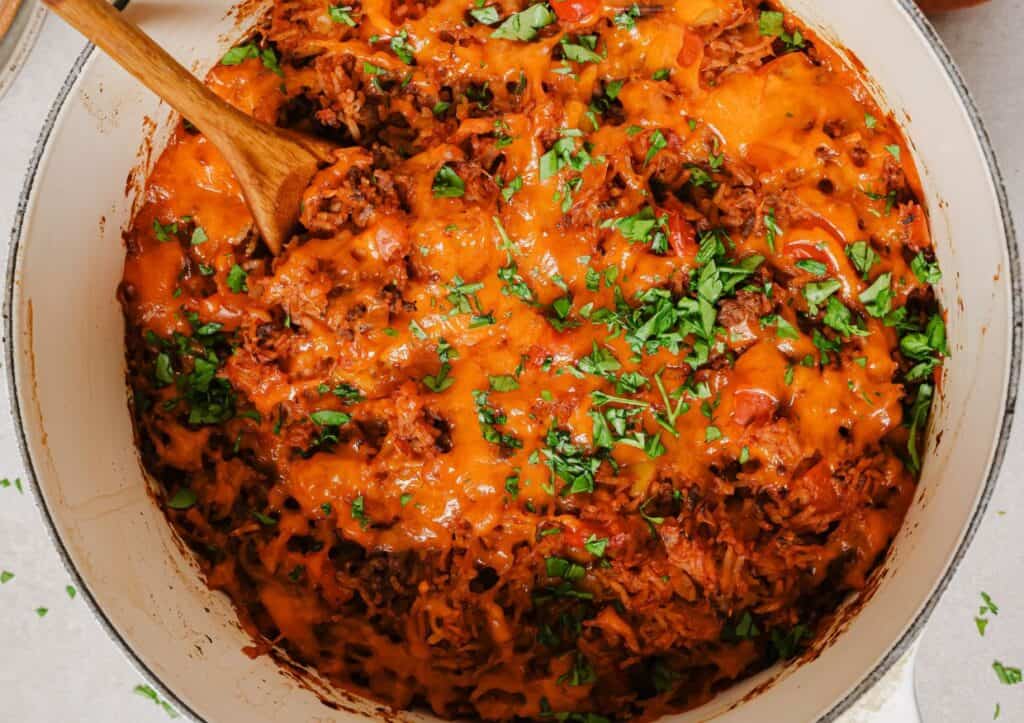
137,53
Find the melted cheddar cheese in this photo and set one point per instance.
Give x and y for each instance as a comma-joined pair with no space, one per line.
594,376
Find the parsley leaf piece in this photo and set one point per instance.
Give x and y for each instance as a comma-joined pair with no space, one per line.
772,230
1007,675
341,14
240,54
510,189
5,577
487,15
565,569
596,546
655,143
644,227
926,271
581,51
877,298
183,499
811,266
840,318
199,236
330,418
770,23
787,643
238,279
816,292
523,26
358,512
164,232
447,183
503,383
627,18
400,46
862,256
439,382
569,463
918,418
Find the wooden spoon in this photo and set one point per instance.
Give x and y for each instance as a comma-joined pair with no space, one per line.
273,166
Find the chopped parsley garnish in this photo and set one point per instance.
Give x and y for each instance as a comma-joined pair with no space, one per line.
487,15
503,383
772,230
5,577
918,418
510,188
400,46
655,143
447,183
643,227
199,236
581,50
358,512
816,292
17,484
330,418
569,463
925,348
238,279
241,53
877,298
862,256
787,643
840,318
927,272
564,154
627,18
514,284
265,520
164,232
147,692
771,23
523,26
341,14
183,499
1007,675
815,268
595,545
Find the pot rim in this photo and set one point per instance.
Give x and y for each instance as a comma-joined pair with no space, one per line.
896,649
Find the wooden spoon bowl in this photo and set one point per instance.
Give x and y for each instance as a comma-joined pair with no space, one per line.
273,166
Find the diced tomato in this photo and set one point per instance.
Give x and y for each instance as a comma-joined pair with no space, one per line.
692,50
915,224
803,249
752,405
573,11
681,235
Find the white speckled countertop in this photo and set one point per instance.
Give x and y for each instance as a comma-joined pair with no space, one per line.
62,666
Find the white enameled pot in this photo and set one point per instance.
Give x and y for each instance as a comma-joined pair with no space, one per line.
66,370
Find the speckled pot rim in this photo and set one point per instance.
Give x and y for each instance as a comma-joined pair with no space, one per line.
898,648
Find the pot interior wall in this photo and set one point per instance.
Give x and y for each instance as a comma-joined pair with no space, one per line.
67,331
